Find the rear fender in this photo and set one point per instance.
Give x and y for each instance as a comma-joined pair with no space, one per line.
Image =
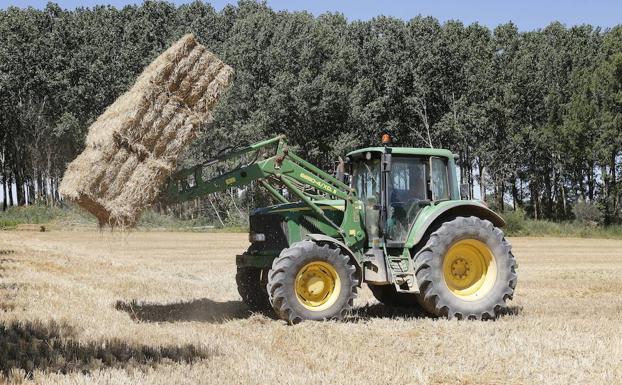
355,258
432,217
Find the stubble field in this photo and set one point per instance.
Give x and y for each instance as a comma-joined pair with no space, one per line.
86,307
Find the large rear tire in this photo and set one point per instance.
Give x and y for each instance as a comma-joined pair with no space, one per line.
311,282
466,270
389,296
251,282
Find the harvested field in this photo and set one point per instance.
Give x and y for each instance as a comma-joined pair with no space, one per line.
162,308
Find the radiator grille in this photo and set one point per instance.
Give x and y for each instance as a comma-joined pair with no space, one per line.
273,227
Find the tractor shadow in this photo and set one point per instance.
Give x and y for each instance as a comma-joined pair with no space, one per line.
380,310
207,310
201,310
53,347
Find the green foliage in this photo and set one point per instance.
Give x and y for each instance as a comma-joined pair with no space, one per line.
39,214
587,213
515,221
535,114
151,220
8,224
518,225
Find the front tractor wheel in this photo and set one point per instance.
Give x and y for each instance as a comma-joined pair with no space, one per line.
311,282
466,270
251,282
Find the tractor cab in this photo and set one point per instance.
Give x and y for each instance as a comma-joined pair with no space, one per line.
396,183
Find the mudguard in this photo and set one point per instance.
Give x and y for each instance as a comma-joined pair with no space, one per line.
353,256
443,211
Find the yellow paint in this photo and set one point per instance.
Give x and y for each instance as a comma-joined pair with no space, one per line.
469,269
317,285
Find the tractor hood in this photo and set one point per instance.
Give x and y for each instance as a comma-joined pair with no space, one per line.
283,208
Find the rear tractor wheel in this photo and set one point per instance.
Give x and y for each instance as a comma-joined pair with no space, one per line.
466,270
311,282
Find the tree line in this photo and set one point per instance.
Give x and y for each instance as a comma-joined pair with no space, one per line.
535,116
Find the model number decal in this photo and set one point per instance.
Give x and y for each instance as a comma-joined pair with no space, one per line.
318,183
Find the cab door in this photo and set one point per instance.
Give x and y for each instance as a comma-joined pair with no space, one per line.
367,184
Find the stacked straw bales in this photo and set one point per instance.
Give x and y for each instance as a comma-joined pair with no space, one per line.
133,146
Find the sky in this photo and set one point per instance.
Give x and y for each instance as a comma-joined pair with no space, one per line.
526,14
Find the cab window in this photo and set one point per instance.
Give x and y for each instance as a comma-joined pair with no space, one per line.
439,179
407,187
366,182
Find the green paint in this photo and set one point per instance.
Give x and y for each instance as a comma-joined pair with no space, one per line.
340,214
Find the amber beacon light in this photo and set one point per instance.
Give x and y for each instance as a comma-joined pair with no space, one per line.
386,139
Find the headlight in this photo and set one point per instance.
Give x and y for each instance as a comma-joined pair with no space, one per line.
256,237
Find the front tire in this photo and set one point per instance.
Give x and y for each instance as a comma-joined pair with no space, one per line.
466,270
251,282
311,282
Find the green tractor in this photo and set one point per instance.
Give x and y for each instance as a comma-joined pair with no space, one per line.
394,218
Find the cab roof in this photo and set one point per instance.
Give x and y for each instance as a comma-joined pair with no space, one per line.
405,151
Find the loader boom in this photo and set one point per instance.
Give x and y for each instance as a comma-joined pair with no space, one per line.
283,168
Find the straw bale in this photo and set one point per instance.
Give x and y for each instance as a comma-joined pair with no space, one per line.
132,148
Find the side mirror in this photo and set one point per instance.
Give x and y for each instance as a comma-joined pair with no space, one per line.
465,191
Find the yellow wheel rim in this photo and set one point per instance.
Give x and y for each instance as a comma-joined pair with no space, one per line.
469,269
317,285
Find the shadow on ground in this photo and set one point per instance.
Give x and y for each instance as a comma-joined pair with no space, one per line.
379,310
202,310
207,310
52,347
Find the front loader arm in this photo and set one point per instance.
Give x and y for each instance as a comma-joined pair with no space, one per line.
283,168
188,184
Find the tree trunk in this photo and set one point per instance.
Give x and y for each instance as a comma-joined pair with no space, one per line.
533,187
514,194
11,201
613,185
5,192
590,182
57,196
470,174
500,192
19,188
41,190
31,191
482,181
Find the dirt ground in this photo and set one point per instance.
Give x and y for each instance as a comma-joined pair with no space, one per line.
103,302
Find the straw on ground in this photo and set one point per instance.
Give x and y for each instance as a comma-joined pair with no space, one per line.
167,290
